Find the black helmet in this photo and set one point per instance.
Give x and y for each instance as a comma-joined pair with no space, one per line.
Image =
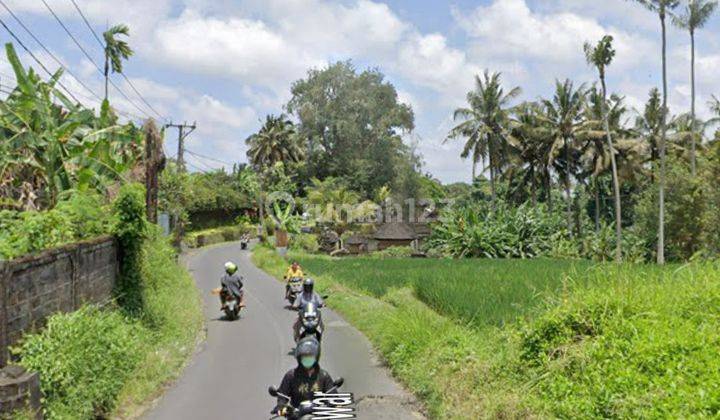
308,285
307,352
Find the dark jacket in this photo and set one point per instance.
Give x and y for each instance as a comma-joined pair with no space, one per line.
304,298
232,283
299,386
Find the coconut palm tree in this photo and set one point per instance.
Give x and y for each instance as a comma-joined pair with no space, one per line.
116,50
277,141
564,116
600,56
596,155
694,17
648,125
528,140
485,123
662,8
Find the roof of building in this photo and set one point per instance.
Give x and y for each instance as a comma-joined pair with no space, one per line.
356,239
395,231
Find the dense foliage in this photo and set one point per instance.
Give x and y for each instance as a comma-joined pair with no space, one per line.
77,216
84,359
130,230
504,232
48,144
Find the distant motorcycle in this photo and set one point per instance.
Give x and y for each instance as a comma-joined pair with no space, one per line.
310,323
293,288
305,410
244,240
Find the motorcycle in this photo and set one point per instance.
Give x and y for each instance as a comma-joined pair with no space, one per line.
305,410
293,288
230,303
244,242
310,323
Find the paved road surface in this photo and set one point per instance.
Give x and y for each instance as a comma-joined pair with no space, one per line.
229,376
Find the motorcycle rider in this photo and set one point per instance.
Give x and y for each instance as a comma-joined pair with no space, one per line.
301,382
307,295
294,271
231,282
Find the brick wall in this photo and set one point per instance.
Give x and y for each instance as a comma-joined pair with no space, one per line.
58,280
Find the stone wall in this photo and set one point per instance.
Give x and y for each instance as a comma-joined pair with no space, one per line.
58,280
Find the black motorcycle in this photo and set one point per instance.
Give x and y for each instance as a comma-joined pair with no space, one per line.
305,410
310,323
293,288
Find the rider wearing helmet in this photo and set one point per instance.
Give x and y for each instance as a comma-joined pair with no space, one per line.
308,295
301,382
231,282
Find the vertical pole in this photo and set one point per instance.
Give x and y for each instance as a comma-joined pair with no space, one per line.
4,279
181,149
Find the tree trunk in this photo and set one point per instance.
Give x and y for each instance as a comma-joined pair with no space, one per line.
492,178
663,129
107,71
568,198
616,182
548,192
693,164
597,205
154,164
533,188
474,169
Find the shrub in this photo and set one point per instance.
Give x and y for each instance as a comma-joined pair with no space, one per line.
305,241
83,358
393,252
80,215
478,230
130,230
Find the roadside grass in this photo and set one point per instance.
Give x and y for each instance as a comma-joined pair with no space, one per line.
100,362
632,341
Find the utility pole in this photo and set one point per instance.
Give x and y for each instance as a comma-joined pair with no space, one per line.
182,134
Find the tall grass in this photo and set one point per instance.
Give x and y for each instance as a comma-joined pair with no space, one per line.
476,291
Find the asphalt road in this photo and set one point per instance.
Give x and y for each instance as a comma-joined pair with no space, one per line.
229,376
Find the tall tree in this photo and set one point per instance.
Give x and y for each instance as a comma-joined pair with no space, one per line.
601,56
116,50
485,124
529,143
276,141
648,125
662,8
564,116
353,124
694,17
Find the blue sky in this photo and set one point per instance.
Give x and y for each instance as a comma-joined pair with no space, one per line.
227,63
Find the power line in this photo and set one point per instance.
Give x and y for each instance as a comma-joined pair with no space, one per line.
47,50
2,22
199,162
67,31
102,46
198,155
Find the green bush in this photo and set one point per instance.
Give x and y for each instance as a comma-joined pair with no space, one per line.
638,343
305,242
84,359
504,232
80,215
130,229
216,235
393,252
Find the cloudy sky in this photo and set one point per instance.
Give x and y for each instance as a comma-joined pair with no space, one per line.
227,63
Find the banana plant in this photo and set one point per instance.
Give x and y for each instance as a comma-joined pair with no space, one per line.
49,144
